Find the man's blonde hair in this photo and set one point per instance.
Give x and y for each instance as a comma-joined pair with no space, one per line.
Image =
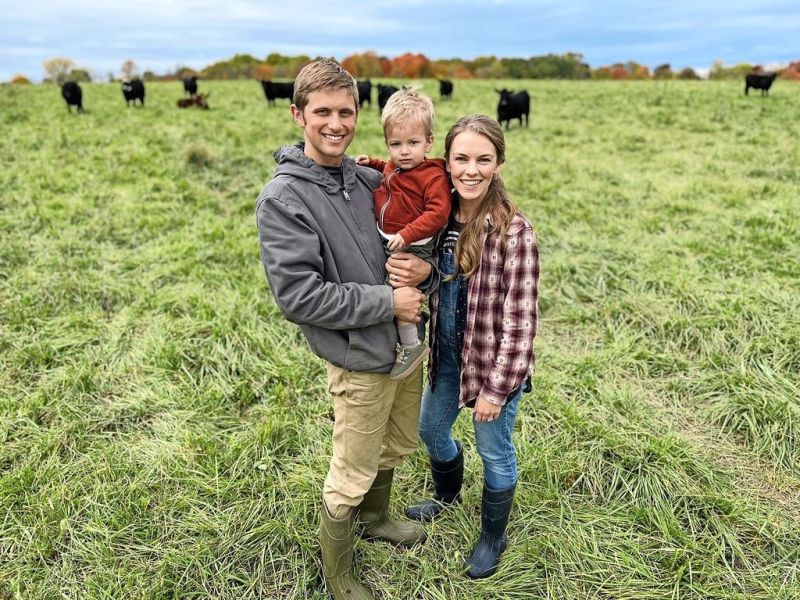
322,74
408,106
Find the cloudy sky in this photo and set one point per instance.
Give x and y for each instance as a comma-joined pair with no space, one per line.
162,34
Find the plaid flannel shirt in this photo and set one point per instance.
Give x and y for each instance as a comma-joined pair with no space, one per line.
497,355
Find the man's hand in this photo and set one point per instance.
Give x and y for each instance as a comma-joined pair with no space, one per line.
396,242
407,302
406,269
362,159
485,410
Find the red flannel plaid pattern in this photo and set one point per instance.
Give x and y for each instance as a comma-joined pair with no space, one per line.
502,313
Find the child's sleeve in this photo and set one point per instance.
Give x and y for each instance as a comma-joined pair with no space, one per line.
436,198
377,164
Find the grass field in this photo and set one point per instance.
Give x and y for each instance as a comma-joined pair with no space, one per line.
165,434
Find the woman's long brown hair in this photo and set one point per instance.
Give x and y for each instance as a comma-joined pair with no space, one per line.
496,203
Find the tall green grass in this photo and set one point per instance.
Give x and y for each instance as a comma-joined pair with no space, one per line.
164,433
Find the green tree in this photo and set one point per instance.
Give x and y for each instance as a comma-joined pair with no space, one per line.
663,72
79,74
688,73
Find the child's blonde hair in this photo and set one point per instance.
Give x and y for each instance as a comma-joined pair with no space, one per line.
407,105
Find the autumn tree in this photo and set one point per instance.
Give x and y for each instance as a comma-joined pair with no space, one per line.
20,79
365,65
454,68
619,71
412,66
129,70
792,72
57,69
261,71
688,73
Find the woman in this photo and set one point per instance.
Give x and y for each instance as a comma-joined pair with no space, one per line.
482,329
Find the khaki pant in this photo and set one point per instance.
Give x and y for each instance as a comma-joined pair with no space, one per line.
375,428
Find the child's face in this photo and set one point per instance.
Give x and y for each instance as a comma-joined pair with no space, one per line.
407,144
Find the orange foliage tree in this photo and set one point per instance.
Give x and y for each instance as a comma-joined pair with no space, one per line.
619,72
262,71
365,65
792,72
412,66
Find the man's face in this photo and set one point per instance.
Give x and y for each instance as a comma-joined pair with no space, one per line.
329,124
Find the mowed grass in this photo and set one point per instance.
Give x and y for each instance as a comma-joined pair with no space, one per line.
164,433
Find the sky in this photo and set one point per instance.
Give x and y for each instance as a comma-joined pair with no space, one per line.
160,35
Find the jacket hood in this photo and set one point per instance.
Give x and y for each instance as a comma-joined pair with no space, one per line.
437,163
293,161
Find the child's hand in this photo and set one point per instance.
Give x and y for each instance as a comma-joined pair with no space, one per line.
362,159
396,243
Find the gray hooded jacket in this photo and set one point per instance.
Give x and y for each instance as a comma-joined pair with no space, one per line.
325,261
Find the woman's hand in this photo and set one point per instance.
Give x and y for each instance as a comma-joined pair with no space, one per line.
485,410
407,269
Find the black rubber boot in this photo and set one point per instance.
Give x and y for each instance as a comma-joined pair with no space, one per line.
336,540
495,508
373,512
447,479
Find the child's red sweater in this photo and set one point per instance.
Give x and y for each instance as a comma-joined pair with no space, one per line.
413,203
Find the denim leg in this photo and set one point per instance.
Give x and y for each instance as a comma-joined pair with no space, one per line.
496,447
440,409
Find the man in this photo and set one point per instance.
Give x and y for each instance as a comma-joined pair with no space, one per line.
325,265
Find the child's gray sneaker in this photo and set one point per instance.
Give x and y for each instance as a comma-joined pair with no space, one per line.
408,359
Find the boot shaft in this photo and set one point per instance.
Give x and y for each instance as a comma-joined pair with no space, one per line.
448,477
495,510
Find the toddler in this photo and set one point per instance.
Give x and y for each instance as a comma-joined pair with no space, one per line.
413,201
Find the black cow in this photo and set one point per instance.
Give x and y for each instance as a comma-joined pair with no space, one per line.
190,85
276,89
132,91
445,89
759,82
364,93
384,93
73,95
513,106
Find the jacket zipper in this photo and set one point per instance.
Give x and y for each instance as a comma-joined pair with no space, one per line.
388,196
352,212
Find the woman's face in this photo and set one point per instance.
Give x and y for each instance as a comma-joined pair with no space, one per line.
472,163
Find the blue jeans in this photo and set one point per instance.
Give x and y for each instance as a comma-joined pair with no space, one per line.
440,405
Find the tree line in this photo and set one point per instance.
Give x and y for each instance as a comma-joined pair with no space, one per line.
413,66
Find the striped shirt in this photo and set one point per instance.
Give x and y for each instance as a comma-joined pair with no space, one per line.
450,236
497,354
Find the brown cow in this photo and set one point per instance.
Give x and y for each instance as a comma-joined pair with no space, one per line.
200,101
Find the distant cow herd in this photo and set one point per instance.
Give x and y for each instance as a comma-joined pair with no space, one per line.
511,105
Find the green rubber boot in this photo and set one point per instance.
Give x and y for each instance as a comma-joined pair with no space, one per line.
337,542
373,512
